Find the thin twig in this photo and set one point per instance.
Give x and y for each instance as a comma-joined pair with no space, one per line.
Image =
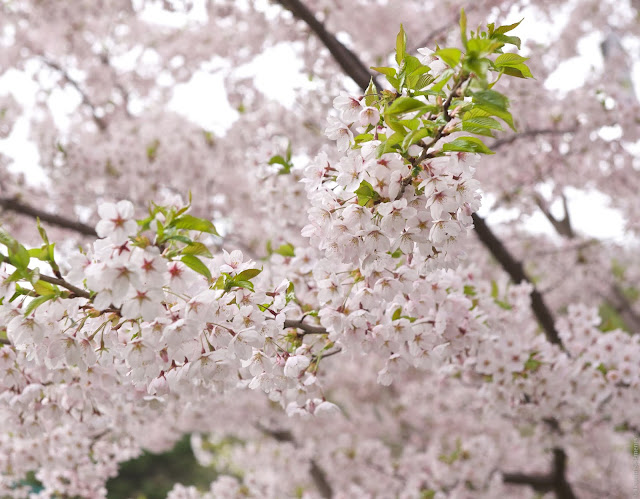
529,133
100,122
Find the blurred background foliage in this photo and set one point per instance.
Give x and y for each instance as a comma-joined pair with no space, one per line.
152,476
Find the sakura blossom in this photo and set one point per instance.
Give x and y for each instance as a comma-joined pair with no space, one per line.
333,295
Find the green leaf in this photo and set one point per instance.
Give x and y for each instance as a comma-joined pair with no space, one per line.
39,253
363,137
20,259
411,124
494,104
423,81
401,45
405,105
477,65
189,222
194,263
289,152
411,64
385,70
36,302
395,125
241,284
286,250
463,27
482,46
504,39
494,289
519,71
219,283
467,144
366,193
414,137
42,232
397,314
177,237
152,150
197,248
483,121
470,290
45,288
371,94
532,364
444,78
481,126
277,160
509,60
505,29
451,56
245,275
390,144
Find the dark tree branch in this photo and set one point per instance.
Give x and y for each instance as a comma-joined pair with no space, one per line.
348,61
306,328
554,481
12,204
64,284
517,274
616,298
562,226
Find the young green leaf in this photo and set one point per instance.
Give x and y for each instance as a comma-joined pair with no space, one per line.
401,45
467,144
451,56
286,250
463,27
405,105
197,249
189,222
36,302
370,95
194,263
245,275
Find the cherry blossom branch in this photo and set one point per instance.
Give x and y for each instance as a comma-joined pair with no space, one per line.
529,133
100,123
12,204
562,226
348,61
317,473
67,285
554,481
517,274
353,68
617,297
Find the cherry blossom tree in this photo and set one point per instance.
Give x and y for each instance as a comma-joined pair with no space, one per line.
311,293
